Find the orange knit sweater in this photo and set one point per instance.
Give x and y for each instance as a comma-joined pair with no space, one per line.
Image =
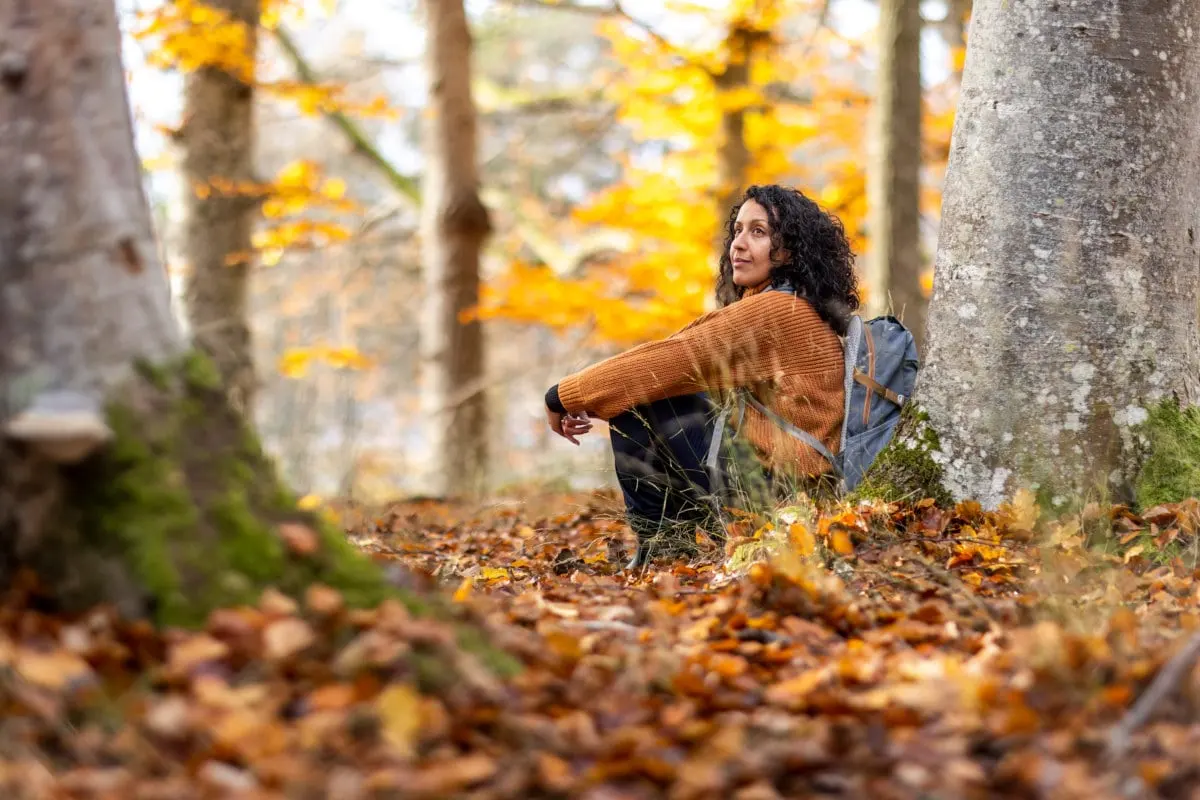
772,342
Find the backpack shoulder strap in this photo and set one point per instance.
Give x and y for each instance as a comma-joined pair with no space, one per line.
798,433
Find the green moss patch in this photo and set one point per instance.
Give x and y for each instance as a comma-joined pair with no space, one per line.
188,502
1171,470
906,470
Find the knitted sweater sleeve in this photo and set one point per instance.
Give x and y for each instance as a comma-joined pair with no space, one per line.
748,342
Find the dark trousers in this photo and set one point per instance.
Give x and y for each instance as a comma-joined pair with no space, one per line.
659,451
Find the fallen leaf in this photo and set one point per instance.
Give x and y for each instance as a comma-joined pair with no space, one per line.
286,637
323,600
300,539
54,670
399,709
194,651
840,541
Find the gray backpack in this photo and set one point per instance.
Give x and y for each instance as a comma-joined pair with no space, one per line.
881,370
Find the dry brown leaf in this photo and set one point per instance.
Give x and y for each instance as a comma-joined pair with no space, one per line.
300,539
286,637
55,670
195,651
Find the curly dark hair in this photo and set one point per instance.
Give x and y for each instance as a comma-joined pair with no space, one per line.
819,263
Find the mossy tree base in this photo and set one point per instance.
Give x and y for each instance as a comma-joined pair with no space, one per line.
181,513
907,469
1171,470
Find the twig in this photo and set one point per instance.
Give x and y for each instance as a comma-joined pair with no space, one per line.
604,625
822,22
949,539
1163,684
616,10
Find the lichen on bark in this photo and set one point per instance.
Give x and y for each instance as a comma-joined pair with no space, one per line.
907,468
1169,440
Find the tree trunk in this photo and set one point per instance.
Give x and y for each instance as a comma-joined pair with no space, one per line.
894,264
125,474
1064,305
454,225
218,140
733,156
953,26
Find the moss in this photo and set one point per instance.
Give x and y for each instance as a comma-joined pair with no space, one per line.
247,545
188,502
180,514
906,469
359,579
141,509
200,372
1171,469
157,376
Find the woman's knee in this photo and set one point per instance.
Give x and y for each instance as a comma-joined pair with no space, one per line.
629,430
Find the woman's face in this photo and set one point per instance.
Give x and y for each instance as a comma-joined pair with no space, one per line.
750,251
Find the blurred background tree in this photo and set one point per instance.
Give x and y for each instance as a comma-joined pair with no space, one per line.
611,139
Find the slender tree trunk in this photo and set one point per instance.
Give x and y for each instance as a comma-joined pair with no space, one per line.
455,225
1064,305
733,155
218,140
953,27
125,474
894,264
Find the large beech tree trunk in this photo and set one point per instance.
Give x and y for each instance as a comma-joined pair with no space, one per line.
894,178
454,227
125,474
1064,305
218,138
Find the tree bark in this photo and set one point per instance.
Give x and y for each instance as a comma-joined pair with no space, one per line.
894,179
125,474
454,226
733,155
218,141
1064,305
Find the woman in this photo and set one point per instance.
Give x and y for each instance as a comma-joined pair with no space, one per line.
786,289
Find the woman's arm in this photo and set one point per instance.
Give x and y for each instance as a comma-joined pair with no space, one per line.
751,341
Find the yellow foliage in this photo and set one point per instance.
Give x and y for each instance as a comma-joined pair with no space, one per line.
192,35
299,187
668,205
326,98
295,362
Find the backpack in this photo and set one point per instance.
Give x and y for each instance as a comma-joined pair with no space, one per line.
881,370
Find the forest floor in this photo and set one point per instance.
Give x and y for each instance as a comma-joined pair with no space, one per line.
903,651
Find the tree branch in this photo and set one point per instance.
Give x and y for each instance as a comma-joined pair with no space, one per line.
496,101
407,186
559,259
614,9
1167,681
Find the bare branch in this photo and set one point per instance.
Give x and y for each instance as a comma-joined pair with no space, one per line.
1164,683
404,184
615,9
543,245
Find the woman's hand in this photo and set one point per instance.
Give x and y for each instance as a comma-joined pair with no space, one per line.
568,426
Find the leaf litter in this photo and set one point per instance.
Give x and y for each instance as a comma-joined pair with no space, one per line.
883,651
